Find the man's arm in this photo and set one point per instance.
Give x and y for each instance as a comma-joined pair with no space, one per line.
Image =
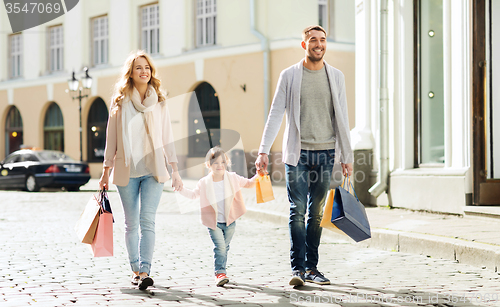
273,124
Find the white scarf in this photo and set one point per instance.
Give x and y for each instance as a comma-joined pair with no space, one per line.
140,138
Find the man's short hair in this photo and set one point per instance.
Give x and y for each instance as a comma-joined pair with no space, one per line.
305,32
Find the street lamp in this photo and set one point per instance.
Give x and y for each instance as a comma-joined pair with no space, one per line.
73,85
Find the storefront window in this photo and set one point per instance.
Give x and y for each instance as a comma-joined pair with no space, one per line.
96,133
13,131
430,100
53,128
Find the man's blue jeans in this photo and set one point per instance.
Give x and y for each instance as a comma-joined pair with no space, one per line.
221,237
307,185
140,248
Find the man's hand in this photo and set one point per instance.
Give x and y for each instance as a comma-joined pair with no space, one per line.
347,169
261,163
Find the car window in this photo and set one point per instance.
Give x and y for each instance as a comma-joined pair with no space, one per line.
12,159
54,156
29,157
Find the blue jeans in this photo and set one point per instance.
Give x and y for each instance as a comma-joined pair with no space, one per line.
221,237
307,185
140,247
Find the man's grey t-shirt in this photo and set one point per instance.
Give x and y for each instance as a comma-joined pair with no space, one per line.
316,111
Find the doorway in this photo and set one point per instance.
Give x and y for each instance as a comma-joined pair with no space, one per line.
486,102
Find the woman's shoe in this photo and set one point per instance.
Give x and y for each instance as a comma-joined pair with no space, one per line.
135,279
145,282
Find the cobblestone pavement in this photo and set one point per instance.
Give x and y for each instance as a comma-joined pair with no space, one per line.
42,264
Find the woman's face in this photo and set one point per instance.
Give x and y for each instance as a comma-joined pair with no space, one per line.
141,71
218,166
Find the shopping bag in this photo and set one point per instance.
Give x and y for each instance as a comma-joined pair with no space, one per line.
264,189
87,223
326,220
102,246
349,215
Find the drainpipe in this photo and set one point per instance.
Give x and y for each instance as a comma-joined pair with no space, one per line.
265,48
381,185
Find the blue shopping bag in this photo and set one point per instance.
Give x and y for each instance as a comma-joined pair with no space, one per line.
349,215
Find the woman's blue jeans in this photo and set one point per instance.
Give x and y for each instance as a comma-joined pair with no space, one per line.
307,185
140,216
221,236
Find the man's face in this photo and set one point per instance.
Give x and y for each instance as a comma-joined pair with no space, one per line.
315,45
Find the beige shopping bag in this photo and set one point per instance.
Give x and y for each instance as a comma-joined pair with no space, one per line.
87,223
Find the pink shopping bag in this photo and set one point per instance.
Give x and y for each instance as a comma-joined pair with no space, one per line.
102,246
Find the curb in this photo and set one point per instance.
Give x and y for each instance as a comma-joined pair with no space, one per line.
481,255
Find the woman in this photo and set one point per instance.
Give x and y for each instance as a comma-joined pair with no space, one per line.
139,138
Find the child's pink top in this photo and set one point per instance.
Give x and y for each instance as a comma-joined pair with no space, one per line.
234,204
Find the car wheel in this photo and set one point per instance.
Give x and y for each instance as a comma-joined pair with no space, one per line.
73,188
31,185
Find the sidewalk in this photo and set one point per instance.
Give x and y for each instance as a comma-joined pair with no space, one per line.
468,239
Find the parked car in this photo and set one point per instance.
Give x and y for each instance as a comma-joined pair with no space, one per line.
34,169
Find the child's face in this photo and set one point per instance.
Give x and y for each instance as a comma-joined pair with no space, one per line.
218,166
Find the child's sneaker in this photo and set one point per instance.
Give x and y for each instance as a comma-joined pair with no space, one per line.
221,279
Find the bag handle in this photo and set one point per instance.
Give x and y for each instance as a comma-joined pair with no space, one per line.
349,186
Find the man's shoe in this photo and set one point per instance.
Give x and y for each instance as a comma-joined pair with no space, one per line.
145,283
316,277
221,279
297,279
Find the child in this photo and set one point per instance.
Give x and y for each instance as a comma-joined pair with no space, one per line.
221,204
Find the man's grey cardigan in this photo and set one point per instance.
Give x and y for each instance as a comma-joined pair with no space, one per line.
287,98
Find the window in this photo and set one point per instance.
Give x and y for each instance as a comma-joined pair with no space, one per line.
151,29
53,128
430,83
29,158
206,25
96,133
13,131
15,55
56,48
12,159
204,128
337,18
323,13
100,40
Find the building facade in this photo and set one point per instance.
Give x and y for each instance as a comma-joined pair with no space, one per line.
228,53
427,102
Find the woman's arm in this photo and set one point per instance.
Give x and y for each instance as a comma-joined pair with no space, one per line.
110,151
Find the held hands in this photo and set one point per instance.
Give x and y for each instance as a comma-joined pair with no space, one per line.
177,181
346,169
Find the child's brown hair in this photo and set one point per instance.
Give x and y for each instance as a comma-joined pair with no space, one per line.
215,153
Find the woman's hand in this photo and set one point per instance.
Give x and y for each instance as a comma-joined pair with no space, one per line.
104,181
176,181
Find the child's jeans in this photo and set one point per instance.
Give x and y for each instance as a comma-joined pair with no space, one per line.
221,237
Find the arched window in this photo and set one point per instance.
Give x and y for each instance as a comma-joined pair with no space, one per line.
13,131
96,133
53,128
202,135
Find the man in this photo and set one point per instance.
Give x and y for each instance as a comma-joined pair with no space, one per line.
317,134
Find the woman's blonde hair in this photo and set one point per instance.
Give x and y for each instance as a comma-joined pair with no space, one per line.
215,153
125,84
